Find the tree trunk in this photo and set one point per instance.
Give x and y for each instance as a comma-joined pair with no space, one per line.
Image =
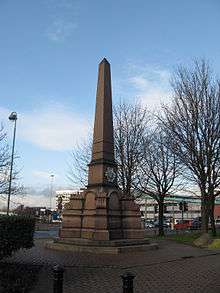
211,216
161,209
204,214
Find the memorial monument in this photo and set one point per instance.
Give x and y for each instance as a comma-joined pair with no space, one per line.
102,219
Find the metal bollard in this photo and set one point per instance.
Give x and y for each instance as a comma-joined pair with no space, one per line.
58,279
127,279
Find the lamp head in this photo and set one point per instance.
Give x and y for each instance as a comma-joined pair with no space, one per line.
13,116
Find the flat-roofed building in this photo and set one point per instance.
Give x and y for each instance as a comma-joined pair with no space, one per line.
63,197
150,210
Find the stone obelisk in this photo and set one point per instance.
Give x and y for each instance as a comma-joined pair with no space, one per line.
102,169
101,212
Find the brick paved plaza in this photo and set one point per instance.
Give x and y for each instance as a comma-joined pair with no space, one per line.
172,268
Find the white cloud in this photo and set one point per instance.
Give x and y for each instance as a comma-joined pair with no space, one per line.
52,127
39,200
148,83
59,30
43,174
33,196
62,20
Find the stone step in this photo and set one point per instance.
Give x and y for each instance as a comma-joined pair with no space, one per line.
101,249
102,243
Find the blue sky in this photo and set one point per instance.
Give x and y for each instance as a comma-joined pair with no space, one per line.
49,54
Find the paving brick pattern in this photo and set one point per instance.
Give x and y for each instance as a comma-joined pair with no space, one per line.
172,268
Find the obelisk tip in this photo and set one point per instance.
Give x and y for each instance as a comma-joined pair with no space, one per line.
104,60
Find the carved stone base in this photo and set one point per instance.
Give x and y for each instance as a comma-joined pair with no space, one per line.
101,213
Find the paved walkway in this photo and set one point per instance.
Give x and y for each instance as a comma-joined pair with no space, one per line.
172,268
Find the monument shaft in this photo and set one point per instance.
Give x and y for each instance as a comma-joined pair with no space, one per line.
103,163
101,212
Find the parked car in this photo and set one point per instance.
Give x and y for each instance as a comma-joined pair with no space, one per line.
156,224
217,223
168,222
196,223
183,224
149,224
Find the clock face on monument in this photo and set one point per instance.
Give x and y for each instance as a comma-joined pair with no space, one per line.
110,174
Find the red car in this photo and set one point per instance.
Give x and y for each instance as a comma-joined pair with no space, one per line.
183,224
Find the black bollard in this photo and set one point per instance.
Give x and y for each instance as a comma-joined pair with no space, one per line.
58,279
127,279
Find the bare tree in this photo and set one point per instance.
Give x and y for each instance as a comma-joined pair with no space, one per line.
130,126
160,173
79,160
5,161
192,122
131,123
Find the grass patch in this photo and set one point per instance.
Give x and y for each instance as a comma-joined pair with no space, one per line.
217,234
187,238
182,237
156,237
215,244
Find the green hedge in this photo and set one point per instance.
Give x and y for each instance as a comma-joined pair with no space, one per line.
15,232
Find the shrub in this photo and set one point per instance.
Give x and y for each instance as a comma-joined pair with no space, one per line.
215,244
18,278
15,232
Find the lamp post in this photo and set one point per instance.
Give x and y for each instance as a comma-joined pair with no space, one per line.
13,117
51,189
51,194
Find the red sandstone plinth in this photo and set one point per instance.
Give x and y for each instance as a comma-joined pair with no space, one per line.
101,214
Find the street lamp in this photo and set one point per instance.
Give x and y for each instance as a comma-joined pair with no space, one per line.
51,189
13,117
